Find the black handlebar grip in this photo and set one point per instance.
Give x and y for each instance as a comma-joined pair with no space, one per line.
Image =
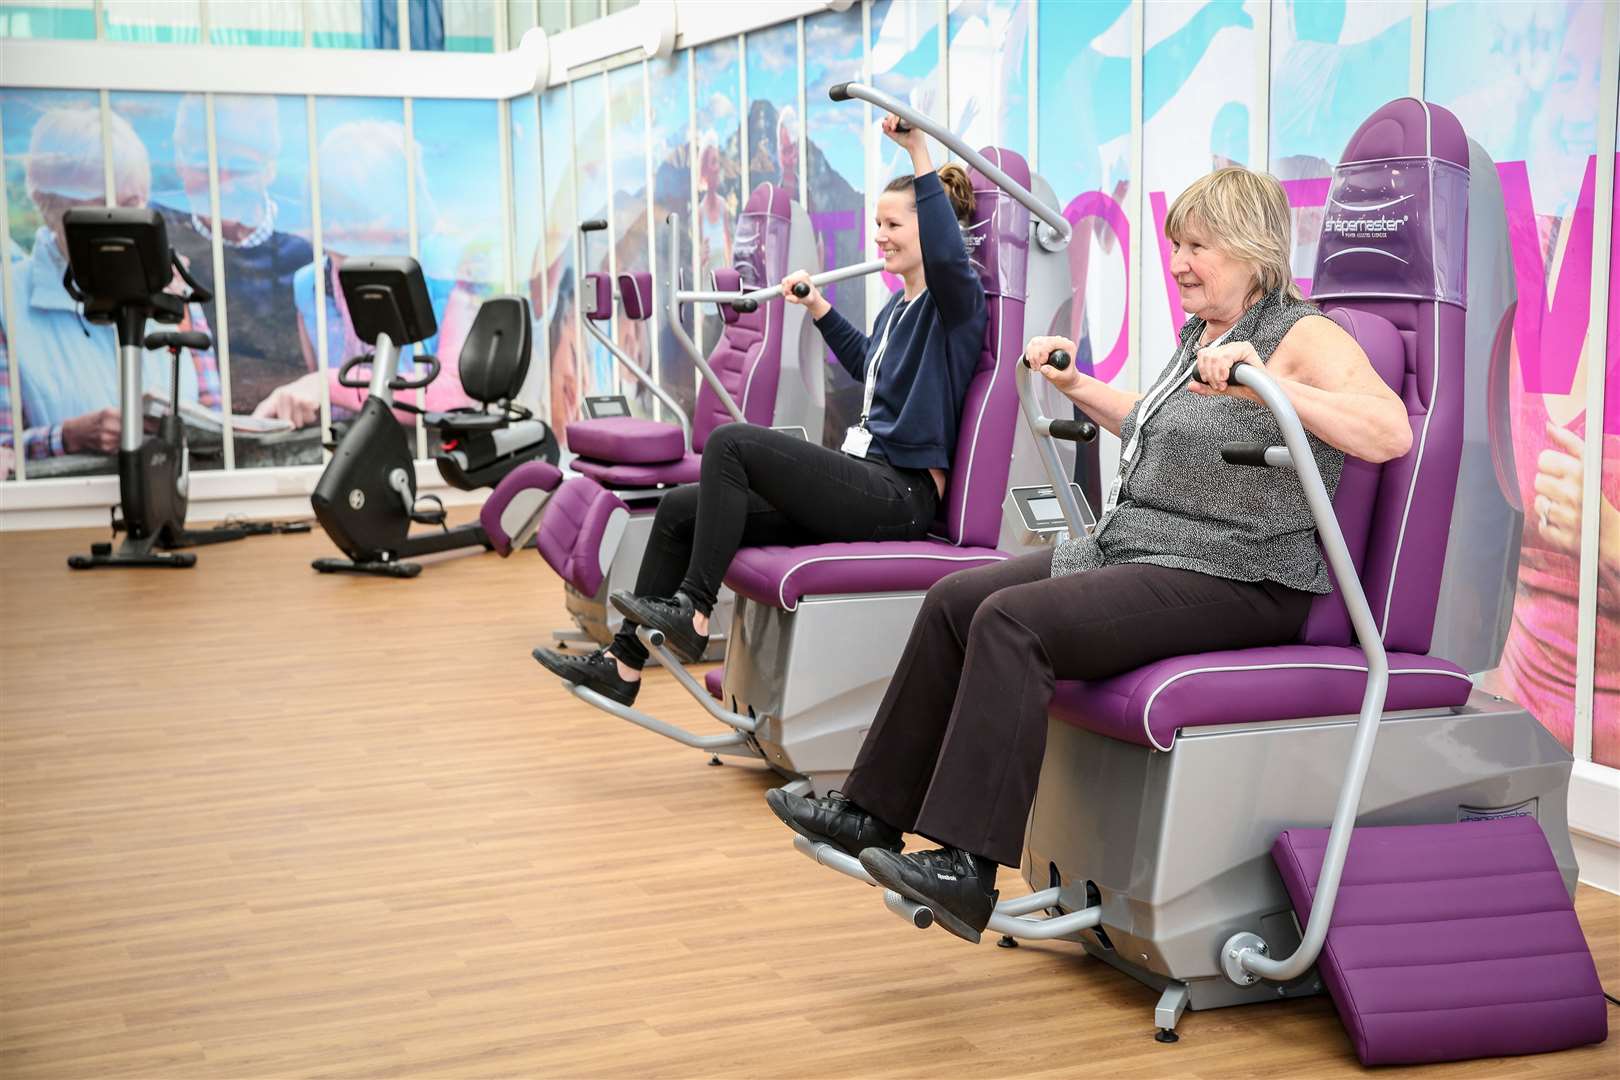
1080,431
1197,378
801,289
1059,360
839,91
902,127
745,306
1245,453
593,225
179,339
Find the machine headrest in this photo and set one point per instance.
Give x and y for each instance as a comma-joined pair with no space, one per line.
636,290
1397,215
759,249
495,356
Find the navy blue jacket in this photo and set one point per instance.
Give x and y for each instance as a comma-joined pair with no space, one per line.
933,350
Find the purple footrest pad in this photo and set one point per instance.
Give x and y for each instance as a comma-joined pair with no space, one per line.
1450,942
530,476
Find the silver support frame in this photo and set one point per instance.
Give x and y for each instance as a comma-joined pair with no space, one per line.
130,359
384,360
673,310
645,380
1055,231
1250,951
1076,513
732,743
1008,918
654,640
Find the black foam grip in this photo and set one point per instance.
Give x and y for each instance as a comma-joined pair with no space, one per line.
1245,453
801,290
400,382
1073,430
1197,378
1059,360
745,306
593,225
348,366
179,339
839,91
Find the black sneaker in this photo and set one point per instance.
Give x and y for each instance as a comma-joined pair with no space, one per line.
671,616
953,884
833,819
594,671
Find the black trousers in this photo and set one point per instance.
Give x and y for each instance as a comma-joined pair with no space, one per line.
955,750
760,486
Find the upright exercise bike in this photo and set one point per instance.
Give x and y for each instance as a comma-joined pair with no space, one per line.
366,499
119,264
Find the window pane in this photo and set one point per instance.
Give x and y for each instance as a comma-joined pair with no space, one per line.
773,107
354,24
620,5
162,21
72,19
1606,691
528,242
554,15
459,227
453,25
988,69
628,124
583,11
670,145
364,211
264,210
836,200
719,165
562,287
256,22
591,202
68,368
520,17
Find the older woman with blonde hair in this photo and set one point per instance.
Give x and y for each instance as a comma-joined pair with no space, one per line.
1191,555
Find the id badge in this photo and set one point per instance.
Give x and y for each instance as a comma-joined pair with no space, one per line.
857,441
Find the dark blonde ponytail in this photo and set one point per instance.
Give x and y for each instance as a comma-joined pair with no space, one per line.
958,188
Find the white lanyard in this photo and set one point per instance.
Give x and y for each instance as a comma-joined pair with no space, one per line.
1151,405
877,357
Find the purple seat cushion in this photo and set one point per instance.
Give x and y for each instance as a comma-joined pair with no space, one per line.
1450,941
1149,705
627,439
682,471
713,681
780,576
571,532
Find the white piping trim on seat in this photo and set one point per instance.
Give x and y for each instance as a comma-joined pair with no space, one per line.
1434,397
781,594
1147,710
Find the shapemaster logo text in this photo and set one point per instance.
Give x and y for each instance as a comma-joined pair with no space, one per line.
1365,228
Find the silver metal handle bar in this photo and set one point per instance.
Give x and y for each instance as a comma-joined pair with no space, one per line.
774,292
1244,957
646,380
1055,233
1077,513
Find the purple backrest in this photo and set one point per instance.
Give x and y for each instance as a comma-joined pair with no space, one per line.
598,297
1390,271
636,290
998,243
748,356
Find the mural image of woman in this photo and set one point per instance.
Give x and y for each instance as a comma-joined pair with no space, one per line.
356,161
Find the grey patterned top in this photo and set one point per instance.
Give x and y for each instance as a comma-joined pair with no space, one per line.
1181,505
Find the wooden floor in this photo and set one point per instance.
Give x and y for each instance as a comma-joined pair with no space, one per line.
262,823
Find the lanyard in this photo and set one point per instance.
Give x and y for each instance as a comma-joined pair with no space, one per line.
1150,405
902,309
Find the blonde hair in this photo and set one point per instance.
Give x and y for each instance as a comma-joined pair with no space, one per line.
64,157
1244,214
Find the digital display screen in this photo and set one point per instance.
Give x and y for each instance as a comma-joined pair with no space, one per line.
1046,509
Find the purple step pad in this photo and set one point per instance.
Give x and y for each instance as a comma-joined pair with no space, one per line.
713,681
1450,942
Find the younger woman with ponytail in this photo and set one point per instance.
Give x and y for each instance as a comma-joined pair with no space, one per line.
886,479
